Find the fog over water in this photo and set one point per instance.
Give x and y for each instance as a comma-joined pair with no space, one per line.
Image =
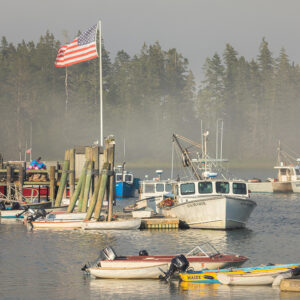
203,61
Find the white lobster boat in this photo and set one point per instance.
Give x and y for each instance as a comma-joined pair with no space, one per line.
211,204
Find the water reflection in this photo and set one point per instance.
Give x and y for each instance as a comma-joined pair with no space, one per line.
219,291
11,221
141,289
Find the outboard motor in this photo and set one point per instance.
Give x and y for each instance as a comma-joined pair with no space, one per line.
178,264
107,253
15,205
35,214
143,253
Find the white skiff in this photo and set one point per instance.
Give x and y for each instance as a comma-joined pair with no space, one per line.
151,272
130,224
262,278
66,216
56,224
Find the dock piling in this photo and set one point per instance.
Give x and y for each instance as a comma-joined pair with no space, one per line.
63,179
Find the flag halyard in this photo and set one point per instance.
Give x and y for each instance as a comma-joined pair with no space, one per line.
83,48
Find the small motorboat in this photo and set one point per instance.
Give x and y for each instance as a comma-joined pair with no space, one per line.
258,278
20,213
212,276
150,272
61,215
37,219
203,256
126,224
55,224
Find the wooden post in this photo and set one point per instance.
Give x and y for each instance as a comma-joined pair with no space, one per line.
89,157
72,172
8,182
111,159
77,190
52,184
21,182
87,187
63,180
1,161
93,201
82,187
95,154
101,193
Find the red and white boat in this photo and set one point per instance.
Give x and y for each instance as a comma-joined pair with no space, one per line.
205,256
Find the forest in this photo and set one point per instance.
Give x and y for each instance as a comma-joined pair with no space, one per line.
146,98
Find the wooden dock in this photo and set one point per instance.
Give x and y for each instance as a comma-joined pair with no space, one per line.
160,223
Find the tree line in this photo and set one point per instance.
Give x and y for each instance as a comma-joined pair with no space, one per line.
146,98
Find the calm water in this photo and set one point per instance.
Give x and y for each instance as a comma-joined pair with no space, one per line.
46,264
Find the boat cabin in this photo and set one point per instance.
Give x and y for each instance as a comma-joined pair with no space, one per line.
211,187
153,188
288,173
124,177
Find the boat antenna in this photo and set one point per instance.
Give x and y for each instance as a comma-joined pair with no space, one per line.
278,153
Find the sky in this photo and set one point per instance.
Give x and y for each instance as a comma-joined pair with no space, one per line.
196,28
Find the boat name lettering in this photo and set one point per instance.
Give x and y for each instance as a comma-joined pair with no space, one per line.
196,204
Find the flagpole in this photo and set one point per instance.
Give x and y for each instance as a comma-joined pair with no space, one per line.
100,78
30,139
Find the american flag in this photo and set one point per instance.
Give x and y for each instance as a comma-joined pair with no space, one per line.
81,49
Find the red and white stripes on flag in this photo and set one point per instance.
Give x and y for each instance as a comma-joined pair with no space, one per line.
81,49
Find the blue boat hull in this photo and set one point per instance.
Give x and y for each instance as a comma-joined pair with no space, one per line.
124,190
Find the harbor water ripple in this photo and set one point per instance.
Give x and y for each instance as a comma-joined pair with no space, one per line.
47,264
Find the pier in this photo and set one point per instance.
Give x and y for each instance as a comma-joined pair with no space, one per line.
160,223
55,183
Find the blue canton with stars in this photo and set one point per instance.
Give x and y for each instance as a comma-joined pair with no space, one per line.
88,36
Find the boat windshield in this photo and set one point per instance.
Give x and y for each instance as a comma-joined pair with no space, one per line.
187,188
160,187
128,178
206,249
222,187
205,187
149,188
119,177
239,188
168,187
